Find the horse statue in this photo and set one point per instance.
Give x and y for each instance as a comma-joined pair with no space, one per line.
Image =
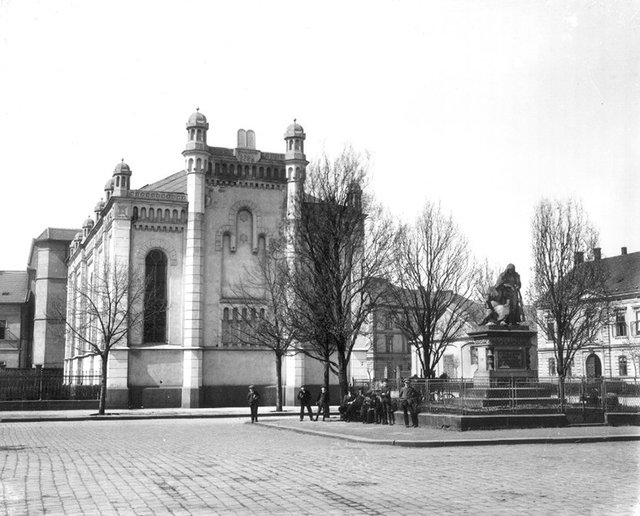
504,301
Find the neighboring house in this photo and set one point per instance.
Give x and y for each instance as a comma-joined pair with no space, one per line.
47,270
385,352
15,315
194,234
616,353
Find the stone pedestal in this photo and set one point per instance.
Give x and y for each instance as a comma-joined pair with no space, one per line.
504,352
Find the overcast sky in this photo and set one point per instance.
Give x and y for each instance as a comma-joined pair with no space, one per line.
483,106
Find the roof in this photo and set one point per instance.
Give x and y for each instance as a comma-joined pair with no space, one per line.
63,235
13,287
622,273
174,183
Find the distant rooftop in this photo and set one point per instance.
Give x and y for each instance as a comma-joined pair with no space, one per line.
175,183
623,273
13,287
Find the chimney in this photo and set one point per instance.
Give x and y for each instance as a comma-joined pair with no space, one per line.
578,257
623,251
597,253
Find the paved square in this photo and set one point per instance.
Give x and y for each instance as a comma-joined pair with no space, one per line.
229,467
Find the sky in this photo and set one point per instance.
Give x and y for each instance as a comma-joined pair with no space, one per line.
483,106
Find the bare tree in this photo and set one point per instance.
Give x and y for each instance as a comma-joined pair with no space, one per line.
569,294
265,307
435,276
342,249
100,314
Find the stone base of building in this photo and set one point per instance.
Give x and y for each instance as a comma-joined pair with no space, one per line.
488,422
117,399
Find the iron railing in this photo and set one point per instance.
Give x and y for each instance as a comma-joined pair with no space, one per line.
517,395
40,384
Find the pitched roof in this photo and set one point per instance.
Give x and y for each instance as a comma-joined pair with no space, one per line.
62,234
13,287
623,273
174,183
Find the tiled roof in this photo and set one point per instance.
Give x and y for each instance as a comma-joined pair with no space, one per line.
65,235
623,273
176,183
13,287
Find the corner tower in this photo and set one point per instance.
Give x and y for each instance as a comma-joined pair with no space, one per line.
121,179
196,156
296,167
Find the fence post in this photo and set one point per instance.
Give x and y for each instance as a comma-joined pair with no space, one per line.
39,380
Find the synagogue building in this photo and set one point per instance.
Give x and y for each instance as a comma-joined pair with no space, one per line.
194,234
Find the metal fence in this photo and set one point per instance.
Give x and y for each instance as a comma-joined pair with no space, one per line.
39,384
518,395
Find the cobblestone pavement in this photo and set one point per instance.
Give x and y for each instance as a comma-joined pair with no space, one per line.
231,467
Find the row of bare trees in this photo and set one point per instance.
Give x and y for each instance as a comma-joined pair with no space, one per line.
318,286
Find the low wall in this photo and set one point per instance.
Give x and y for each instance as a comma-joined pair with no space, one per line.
488,422
623,418
49,405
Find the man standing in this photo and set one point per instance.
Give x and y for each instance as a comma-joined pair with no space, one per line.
323,404
304,396
385,398
409,398
253,398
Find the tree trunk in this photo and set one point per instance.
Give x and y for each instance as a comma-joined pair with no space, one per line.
278,382
327,372
103,383
561,391
342,375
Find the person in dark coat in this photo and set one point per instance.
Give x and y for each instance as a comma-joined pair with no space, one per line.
409,398
253,398
388,416
304,396
323,404
353,409
347,401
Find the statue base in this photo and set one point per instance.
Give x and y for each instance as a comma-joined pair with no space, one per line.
504,353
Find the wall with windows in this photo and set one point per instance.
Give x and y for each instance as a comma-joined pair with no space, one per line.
158,258
239,224
10,332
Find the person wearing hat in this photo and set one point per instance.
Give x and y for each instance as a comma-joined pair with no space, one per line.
323,404
304,396
409,398
253,398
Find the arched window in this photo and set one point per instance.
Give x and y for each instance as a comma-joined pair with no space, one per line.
225,314
552,366
155,297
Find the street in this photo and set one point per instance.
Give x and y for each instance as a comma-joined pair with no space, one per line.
226,466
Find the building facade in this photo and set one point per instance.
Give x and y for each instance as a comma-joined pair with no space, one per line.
615,354
15,315
47,271
195,233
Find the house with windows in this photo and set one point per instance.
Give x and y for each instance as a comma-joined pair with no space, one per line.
30,334
15,312
615,354
193,235
384,351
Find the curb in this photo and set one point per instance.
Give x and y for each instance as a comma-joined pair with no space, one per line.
460,442
133,417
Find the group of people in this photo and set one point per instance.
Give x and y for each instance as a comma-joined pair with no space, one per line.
377,405
374,406
322,402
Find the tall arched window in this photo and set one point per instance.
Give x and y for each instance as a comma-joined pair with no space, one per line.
155,297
